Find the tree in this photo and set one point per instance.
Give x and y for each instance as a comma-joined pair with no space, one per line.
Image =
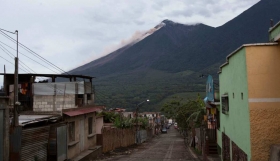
185,114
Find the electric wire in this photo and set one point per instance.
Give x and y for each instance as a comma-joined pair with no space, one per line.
25,66
32,52
28,57
26,70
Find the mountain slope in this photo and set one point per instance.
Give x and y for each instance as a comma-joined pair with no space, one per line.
169,60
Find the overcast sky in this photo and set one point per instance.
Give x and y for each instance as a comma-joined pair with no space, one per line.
71,33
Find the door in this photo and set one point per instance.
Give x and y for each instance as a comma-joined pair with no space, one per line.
82,133
61,134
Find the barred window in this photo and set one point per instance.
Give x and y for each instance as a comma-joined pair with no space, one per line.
225,104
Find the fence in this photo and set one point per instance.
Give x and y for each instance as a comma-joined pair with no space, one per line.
141,136
150,133
115,138
34,144
2,129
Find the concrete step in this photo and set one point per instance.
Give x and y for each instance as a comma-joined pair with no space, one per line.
91,153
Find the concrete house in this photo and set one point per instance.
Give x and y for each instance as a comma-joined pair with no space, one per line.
81,130
250,100
73,132
47,96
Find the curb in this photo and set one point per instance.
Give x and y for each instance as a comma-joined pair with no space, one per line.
193,154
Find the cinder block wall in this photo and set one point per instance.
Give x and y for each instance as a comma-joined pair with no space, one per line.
53,103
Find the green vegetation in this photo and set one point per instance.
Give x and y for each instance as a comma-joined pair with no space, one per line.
187,114
128,90
108,117
123,122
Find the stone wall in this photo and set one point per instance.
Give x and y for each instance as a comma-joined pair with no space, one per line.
53,103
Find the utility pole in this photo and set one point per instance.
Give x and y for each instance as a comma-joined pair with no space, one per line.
16,103
136,118
137,127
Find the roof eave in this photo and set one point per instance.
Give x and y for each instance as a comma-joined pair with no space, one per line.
241,47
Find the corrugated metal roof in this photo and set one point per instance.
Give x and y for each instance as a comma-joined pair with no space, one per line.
81,111
30,119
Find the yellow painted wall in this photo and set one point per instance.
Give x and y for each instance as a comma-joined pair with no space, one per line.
263,73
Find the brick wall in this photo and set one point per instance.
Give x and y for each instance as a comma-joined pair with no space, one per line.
53,103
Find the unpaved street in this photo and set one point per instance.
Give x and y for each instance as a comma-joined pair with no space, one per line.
166,147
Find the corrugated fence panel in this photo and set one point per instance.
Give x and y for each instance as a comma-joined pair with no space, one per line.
34,144
59,87
141,136
15,143
1,134
61,143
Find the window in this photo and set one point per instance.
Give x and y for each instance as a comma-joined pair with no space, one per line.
90,125
242,96
225,104
88,96
232,95
71,131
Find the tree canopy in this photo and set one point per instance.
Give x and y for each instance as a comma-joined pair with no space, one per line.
184,113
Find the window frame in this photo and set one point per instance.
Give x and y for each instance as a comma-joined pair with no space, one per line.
90,125
225,104
71,131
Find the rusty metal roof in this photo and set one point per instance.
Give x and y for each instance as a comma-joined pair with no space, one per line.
81,111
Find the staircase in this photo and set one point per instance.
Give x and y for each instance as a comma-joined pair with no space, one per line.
212,148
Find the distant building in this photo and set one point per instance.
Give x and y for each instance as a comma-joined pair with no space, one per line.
150,114
250,100
128,114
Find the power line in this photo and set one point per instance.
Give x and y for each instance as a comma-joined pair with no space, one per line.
25,66
11,56
32,52
6,60
27,57
8,31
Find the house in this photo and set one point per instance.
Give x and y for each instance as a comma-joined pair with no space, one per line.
212,121
150,114
44,96
4,128
128,114
63,114
153,121
81,128
250,100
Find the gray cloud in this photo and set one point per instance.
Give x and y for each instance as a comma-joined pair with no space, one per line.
69,33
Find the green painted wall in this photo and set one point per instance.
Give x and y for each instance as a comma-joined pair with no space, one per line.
236,125
274,32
